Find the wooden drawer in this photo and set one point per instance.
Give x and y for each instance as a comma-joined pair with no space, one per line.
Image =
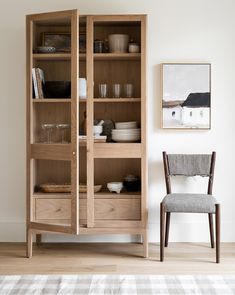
115,209
105,209
52,209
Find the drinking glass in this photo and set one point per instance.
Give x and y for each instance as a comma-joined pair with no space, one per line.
116,90
103,90
48,128
128,90
63,128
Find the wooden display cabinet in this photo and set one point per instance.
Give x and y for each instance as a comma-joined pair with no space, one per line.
86,162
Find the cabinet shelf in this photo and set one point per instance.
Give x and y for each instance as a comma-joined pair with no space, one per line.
53,100
117,150
117,56
56,56
82,56
101,195
116,100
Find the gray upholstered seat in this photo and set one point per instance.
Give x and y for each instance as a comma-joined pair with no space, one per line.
191,203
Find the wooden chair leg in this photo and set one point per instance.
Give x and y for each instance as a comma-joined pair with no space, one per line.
217,231
211,226
162,231
38,239
168,218
29,246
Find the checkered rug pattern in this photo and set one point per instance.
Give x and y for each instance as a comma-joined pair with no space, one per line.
116,284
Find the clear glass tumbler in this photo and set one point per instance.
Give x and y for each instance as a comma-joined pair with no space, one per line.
117,90
128,90
103,90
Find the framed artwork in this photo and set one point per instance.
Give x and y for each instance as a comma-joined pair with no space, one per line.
61,41
186,95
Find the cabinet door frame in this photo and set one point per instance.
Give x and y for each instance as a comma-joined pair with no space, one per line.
73,16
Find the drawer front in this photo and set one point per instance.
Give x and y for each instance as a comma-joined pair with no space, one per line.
50,209
105,209
117,209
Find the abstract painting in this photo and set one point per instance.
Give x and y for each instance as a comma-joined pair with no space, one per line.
186,95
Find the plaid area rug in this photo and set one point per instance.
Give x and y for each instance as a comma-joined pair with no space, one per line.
116,284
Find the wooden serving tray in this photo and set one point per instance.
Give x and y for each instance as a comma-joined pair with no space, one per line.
65,188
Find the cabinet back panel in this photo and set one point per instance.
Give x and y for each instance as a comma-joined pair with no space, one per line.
113,71
55,71
109,170
49,171
118,112
51,113
102,30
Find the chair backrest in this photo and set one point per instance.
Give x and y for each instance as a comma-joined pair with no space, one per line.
189,165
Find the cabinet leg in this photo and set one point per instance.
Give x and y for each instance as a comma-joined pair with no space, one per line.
145,244
29,249
38,239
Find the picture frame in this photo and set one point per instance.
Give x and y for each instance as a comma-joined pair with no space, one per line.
60,40
186,96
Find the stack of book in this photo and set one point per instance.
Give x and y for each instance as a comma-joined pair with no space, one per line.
38,83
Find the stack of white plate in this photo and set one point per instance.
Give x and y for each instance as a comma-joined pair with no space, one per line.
126,125
126,132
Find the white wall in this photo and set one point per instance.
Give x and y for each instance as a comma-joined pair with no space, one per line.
178,31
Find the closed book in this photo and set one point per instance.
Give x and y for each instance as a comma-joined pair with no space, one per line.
40,82
35,83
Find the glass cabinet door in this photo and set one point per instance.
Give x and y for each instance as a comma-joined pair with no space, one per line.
52,121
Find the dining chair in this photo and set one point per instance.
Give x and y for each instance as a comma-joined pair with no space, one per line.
189,165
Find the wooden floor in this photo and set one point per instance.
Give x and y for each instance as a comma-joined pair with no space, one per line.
181,258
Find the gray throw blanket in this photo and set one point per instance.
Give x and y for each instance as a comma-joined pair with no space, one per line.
189,165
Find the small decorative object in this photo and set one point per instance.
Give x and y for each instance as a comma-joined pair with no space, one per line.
186,95
118,43
61,41
115,187
48,128
132,183
58,89
128,90
46,49
103,90
82,88
98,46
134,48
116,90
97,130
108,126
63,128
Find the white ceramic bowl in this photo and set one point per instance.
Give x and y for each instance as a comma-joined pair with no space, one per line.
115,187
118,43
97,130
126,125
126,137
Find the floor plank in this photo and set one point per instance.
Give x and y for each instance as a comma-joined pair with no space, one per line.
115,258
